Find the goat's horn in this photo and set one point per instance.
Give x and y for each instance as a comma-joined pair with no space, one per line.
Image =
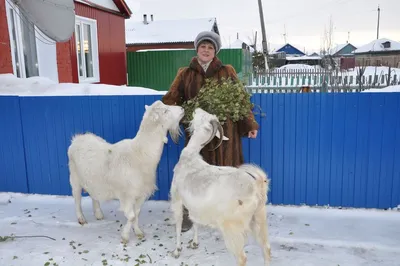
214,124
221,134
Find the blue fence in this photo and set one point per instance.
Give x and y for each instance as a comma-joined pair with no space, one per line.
318,149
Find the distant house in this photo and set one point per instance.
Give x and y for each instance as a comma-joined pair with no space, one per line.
290,50
343,55
95,53
239,44
381,52
341,50
166,34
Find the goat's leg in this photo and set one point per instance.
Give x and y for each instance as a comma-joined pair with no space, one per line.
234,238
127,207
259,228
194,243
77,194
138,204
97,210
177,209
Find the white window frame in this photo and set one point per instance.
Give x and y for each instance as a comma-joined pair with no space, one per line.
16,22
95,50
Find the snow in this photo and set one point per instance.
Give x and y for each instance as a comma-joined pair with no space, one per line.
238,44
299,67
164,49
376,46
305,57
371,70
166,31
298,235
395,88
40,86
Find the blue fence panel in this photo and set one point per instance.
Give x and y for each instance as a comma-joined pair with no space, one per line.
12,158
51,122
318,149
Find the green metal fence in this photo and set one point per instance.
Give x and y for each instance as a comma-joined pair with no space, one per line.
156,69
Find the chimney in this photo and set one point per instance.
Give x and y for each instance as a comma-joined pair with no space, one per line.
152,19
145,19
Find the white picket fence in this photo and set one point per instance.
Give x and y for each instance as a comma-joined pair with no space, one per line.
322,80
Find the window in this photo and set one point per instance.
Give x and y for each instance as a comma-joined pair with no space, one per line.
87,49
386,45
23,43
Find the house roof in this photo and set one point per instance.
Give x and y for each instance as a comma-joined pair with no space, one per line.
167,31
289,49
123,7
336,50
118,6
238,44
377,46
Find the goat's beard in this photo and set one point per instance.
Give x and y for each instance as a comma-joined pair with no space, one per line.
175,133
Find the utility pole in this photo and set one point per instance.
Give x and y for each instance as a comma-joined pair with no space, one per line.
264,38
284,34
377,28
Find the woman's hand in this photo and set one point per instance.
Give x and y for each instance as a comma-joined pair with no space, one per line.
253,134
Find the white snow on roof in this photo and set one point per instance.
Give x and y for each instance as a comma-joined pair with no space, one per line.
297,58
40,86
377,46
237,44
166,31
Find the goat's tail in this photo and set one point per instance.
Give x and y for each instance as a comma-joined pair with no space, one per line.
260,177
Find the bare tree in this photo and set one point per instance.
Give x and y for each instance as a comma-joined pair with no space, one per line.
327,46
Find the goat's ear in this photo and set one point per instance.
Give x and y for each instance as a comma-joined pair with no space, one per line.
146,107
218,136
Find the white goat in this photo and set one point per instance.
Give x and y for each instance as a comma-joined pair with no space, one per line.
228,198
125,170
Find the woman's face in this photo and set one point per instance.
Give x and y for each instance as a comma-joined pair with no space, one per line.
206,52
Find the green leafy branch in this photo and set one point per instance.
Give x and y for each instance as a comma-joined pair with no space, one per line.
227,99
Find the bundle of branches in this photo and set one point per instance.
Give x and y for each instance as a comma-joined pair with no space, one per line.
225,99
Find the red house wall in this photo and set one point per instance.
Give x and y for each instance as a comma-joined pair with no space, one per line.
111,44
5,48
64,63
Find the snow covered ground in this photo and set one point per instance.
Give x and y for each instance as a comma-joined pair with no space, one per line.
301,236
395,88
40,86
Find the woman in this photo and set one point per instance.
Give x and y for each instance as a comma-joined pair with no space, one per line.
186,86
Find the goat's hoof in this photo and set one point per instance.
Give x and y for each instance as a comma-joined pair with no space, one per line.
193,245
176,253
82,221
124,241
99,215
140,236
